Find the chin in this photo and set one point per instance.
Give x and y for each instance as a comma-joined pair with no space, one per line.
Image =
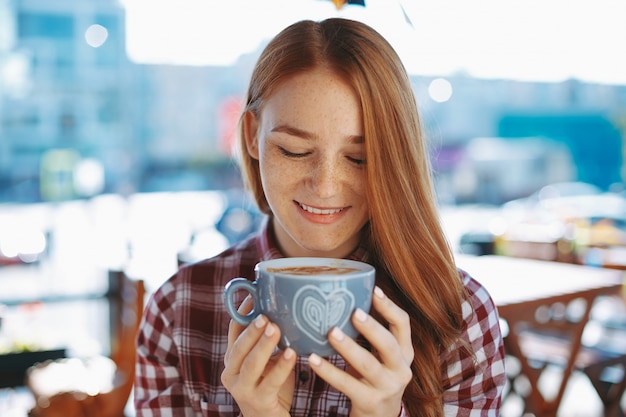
325,251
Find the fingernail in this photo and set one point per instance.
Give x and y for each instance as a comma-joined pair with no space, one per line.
315,360
360,315
337,334
288,354
269,330
260,322
379,293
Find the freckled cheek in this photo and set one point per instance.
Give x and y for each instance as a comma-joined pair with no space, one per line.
278,174
359,182
344,176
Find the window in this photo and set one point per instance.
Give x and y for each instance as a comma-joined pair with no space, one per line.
40,25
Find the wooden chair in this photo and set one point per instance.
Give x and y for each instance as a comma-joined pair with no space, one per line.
551,345
607,373
126,297
607,377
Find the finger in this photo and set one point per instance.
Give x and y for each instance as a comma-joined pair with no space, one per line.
256,362
393,345
234,328
399,326
376,371
377,386
242,343
281,370
364,363
341,381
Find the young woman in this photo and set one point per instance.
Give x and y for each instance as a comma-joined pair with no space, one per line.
333,152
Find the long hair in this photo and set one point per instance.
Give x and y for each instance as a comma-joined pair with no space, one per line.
414,262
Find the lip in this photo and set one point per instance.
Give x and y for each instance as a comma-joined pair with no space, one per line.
322,215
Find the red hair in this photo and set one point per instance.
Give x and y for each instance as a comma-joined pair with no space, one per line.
415,265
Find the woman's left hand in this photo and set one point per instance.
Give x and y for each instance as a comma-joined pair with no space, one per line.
380,380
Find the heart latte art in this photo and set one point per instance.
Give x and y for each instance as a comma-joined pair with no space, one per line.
316,312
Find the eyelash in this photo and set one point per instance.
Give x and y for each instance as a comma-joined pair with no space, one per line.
358,162
292,154
288,154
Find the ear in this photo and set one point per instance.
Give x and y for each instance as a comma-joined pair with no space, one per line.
250,130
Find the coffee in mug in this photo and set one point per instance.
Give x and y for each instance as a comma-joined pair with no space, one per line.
306,298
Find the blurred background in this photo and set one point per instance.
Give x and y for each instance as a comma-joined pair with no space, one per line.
118,122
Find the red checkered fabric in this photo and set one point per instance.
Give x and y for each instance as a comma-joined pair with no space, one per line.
183,339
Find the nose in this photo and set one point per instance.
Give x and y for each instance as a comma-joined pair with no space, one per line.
326,178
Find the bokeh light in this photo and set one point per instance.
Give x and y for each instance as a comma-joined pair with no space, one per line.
96,35
440,90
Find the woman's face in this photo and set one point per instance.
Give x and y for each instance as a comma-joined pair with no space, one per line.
308,139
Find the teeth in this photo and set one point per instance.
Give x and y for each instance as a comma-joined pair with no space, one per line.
318,211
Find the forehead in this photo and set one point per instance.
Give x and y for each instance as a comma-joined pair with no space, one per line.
320,91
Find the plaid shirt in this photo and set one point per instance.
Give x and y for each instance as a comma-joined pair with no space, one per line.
183,338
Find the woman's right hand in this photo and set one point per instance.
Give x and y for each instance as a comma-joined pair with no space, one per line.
262,384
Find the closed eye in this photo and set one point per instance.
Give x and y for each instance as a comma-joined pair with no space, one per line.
292,154
356,161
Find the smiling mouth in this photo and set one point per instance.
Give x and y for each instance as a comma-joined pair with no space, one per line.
314,210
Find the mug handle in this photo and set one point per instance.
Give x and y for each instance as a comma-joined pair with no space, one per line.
241,284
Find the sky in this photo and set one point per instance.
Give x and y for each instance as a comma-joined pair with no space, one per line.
531,40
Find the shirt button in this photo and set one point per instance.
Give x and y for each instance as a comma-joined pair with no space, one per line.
303,376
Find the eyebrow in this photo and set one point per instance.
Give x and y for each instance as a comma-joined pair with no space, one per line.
294,131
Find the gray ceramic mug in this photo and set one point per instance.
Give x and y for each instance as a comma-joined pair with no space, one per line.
306,298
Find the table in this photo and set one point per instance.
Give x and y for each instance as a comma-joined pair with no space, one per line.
542,296
608,256
126,297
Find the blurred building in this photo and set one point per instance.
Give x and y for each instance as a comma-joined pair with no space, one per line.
585,124
78,118
186,118
63,98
